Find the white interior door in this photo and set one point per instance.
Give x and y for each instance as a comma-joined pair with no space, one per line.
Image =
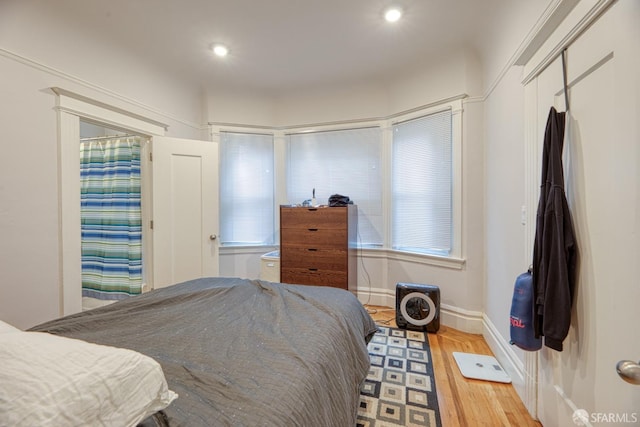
185,210
580,386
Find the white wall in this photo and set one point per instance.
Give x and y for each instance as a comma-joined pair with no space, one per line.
28,197
504,196
49,35
504,192
36,53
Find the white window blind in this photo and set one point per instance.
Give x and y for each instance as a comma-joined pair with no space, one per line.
246,189
345,162
422,181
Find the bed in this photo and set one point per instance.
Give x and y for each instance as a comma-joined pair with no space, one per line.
241,352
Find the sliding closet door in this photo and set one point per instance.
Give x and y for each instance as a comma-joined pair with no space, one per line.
602,169
185,210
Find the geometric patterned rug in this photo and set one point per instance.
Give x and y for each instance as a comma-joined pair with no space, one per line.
400,389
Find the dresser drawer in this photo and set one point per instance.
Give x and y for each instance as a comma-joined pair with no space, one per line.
317,258
314,237
321,218
314,277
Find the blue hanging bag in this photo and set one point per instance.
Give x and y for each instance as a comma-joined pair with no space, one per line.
522,333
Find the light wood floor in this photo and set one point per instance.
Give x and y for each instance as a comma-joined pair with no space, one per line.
465,402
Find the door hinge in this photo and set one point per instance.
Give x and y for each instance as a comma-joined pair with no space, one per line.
150,156
151,224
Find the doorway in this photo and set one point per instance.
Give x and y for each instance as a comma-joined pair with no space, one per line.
162,195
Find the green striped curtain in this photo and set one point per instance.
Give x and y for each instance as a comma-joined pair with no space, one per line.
111,218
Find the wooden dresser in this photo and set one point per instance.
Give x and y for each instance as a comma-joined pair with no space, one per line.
318,246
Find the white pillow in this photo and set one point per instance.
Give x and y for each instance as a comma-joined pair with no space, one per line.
5,327
48,380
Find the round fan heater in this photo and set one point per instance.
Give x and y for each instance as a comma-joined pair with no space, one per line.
418,307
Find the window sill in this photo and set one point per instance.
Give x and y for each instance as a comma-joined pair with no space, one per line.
389,254
439,261
239,249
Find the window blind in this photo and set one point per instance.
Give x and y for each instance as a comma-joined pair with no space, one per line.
343,162
246,189
422,181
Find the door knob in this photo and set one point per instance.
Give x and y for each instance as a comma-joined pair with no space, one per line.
213,237
629,371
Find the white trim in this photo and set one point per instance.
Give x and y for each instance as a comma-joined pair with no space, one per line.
457,247
376,296
587,12
69,219
423,259
524,378
88,108
454,101
247,250
523,383
461,319
215,130
474,100
553,15
528,392
555,12
77,80
71,108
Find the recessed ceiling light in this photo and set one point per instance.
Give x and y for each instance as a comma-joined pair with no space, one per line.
393,14
220,50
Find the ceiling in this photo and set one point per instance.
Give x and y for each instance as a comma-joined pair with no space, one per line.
286,45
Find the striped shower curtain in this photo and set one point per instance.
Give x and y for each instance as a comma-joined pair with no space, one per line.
111,217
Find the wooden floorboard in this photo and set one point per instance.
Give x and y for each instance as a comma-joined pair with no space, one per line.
464,402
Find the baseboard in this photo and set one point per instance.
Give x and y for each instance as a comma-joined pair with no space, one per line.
522,373
376,296
461,319
454,317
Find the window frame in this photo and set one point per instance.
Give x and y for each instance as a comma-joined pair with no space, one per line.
215,132
455,259
227,243
455,106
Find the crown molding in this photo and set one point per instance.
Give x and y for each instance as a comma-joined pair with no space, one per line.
550,49
552,16
100,89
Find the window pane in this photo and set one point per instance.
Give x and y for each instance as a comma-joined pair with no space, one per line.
246,189
343,162
422,185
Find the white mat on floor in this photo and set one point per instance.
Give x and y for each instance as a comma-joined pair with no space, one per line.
481,367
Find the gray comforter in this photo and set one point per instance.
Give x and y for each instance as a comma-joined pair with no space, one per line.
241,352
